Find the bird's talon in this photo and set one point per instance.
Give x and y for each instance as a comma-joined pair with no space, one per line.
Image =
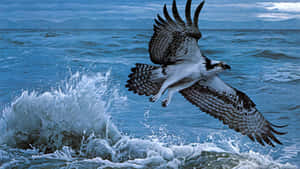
164,103
152,99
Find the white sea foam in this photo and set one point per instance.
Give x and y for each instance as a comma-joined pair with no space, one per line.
70,127
53,119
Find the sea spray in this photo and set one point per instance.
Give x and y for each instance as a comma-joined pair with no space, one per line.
70,127
62,117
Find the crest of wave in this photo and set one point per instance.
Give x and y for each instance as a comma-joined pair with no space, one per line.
61,117
70,125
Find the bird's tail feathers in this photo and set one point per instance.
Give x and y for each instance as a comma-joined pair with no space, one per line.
145,79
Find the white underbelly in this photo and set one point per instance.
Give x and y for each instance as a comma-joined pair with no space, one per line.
181,71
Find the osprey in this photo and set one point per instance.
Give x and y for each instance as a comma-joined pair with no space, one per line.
183,69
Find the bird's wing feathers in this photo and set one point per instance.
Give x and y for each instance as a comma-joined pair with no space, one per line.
175,40
233,108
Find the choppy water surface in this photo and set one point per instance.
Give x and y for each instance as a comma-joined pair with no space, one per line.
64,105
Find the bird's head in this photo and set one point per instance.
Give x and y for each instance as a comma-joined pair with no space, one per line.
223,65
215,67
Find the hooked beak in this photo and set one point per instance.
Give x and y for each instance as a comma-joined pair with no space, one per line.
224,66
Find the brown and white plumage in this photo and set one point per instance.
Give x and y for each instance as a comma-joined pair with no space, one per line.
175,40
174,46
233,108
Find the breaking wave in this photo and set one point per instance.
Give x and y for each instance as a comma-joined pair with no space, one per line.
71,127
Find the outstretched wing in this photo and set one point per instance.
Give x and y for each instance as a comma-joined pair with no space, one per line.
175,40
233,108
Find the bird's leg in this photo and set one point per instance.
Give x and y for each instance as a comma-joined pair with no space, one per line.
162,89
173,89
171,92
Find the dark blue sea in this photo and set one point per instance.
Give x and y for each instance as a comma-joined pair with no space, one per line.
63,102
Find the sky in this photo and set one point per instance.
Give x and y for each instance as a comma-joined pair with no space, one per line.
58,11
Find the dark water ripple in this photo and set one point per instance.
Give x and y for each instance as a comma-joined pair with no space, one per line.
88,53
115,37
240,34
113,45
71,50
212,51
135,50
140,42
89,43
285,80
51,35
296,107
146,36
16,42
272,55
295,81
243,40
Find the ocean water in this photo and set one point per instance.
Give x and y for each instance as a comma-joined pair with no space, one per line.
63,102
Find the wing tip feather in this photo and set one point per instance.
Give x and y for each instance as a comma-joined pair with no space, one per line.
277,132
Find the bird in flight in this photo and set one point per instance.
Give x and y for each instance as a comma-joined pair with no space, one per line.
183,68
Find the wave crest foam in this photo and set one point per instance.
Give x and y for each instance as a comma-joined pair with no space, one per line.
62,117
70,127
